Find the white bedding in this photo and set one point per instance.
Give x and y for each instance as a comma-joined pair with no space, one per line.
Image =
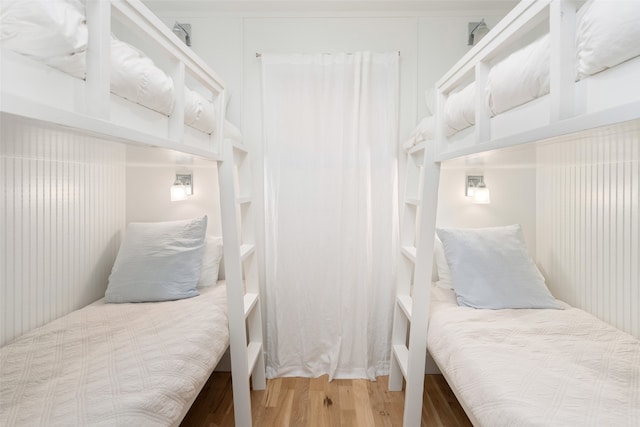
536,367
460,109
114,364
607,34
521,77
199,112
425,131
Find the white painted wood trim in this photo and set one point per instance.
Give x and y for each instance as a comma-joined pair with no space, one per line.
405,302
235,292
250,301
401,353
409,252
421,290
98,77
562,22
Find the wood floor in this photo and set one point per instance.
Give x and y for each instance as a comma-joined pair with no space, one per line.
301,402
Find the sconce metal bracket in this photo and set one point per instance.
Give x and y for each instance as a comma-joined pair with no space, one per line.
472,181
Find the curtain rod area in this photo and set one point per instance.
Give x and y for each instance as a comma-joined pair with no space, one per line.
259,55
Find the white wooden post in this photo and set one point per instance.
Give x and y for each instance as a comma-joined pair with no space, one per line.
421,290
562,30
98,58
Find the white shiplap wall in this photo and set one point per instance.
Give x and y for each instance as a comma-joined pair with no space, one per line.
62,214
588,226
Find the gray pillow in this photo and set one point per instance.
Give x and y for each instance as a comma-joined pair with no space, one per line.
490,268
158,262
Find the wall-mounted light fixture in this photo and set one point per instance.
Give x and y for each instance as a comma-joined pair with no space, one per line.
476,189
183,31
182,187
476,31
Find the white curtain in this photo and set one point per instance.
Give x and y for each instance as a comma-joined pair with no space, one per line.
330,144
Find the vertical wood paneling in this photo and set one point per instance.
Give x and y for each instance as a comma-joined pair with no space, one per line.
588,226
62,216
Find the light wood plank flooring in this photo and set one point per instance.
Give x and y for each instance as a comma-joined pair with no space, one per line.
301,402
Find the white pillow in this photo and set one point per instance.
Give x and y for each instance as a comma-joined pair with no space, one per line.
607,34
158,262
490,268
444,274
211,262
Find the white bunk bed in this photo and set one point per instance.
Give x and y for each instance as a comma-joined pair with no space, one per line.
60,65
561,96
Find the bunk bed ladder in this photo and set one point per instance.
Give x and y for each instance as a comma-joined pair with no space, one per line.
411,313
241,272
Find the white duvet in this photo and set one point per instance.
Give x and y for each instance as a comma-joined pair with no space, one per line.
199,112
425,131
520,78
114,364
460,109
536,367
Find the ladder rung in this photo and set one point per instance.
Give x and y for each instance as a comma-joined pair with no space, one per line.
405,302
401,353
243,199
240,147
246,250
418,147
250,300
409,252
412,201
253,352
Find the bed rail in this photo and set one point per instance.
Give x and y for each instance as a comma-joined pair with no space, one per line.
564,111
92,109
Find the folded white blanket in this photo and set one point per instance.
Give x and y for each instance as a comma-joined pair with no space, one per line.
199,112
135,77
519,78
459,109
426,130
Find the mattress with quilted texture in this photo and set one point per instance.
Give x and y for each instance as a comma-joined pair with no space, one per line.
536,367
114,364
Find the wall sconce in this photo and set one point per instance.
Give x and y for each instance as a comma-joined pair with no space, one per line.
476,31
476,189
183,31
182,187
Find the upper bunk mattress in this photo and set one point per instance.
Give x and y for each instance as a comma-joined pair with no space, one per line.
536,367
114,364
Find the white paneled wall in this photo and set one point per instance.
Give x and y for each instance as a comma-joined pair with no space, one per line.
588,226
62,213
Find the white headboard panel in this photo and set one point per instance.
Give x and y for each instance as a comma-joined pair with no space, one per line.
62,213
588,225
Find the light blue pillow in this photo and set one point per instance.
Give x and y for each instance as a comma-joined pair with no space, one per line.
158,262
490,268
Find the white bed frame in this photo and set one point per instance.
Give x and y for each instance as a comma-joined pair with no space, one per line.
609,97
40,93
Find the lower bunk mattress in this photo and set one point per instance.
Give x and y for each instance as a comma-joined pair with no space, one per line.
536,367
115,364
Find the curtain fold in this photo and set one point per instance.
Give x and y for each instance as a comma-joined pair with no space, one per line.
331,220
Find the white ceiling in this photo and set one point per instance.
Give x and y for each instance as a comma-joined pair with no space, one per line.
328,5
